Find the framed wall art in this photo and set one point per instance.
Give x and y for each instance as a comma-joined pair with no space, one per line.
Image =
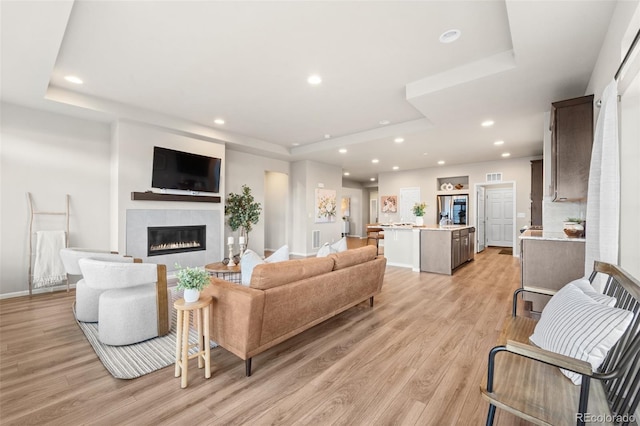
326,208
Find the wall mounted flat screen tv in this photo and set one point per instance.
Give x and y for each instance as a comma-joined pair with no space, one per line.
183,170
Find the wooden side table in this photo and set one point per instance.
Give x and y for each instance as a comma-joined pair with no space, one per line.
226,272
200,309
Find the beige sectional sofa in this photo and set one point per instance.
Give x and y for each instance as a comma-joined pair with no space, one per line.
286,298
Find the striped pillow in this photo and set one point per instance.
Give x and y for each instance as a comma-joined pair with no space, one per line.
575,325
586,287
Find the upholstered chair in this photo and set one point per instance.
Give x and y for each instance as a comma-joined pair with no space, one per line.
86,306
134,303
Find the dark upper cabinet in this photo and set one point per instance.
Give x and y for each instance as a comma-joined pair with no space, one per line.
537,192
571,141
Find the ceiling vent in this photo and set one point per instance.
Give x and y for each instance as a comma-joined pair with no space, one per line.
494,177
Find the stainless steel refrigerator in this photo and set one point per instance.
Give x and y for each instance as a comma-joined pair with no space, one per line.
454,209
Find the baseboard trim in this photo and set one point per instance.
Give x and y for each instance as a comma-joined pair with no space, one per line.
62,287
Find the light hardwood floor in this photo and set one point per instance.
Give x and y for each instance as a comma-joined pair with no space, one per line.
416,358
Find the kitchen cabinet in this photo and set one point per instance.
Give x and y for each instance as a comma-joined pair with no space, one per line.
549,261
455,249
443,249
571,140
537,192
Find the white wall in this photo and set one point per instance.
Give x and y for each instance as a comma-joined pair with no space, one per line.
624,24
276,210
50,155
306,176
517,170
248,169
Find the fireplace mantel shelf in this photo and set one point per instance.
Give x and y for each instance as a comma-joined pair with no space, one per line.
154,196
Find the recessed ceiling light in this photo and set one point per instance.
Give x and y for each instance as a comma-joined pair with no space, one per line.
449,36
487,123
384,122
505,154
441,162
218,121
347,173
398,140
395,167
372,179
295,144
342,151
498,142
73,79
425,153
327,136
314,79
375,161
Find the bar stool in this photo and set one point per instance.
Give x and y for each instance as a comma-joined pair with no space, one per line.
376,234
200,309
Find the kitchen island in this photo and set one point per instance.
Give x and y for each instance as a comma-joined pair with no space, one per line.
549,260
445,248
431,248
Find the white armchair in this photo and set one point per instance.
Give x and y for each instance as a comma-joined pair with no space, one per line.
86,298
134,302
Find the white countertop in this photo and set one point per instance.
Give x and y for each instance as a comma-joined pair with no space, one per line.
548,235
425,227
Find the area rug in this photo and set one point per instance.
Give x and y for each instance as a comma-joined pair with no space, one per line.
506,251
131,361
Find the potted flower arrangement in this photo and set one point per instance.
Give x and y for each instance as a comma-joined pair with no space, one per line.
418,211
192,281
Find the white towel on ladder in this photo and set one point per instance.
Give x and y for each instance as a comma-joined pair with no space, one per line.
48,268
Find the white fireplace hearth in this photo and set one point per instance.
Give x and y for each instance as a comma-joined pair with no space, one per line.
137,244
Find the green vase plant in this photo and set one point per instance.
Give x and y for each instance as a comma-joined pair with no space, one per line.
243,212
192,281
192,278
419,208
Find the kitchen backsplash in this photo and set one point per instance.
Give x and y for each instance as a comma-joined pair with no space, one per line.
554,214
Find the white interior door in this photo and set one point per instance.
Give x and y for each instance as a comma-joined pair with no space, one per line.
480,226
499,217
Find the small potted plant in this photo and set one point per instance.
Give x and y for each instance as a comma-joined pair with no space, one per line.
418,211
192,281
574,227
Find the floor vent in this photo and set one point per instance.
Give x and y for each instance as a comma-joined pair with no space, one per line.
494,177
315,239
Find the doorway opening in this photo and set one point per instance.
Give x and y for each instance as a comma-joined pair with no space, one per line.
495,215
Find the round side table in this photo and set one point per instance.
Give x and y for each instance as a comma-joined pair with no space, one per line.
200,309
226,272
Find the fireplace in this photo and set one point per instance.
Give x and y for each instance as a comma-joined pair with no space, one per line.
175,239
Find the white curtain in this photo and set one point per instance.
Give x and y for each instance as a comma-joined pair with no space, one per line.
603,202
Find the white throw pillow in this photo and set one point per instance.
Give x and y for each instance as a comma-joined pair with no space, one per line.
279,255
586,287
337,247
324,251
250,260
575,325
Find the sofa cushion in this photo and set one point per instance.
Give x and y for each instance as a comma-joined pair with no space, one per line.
575,325
270,275
353,257
250,260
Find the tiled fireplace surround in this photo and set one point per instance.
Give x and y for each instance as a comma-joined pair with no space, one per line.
136,234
